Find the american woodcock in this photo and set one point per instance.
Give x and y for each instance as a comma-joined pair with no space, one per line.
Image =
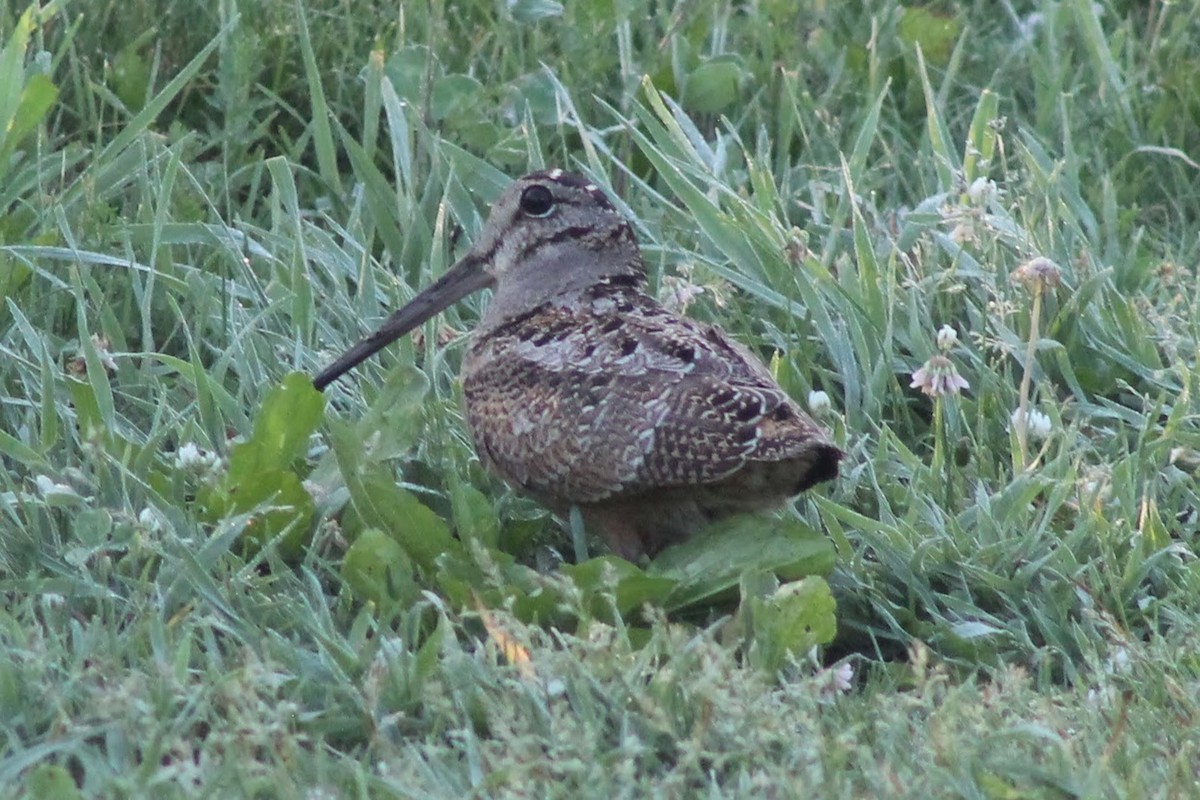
582,390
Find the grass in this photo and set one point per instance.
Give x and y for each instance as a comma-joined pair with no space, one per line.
217,584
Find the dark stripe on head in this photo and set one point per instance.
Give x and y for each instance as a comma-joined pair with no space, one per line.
575,181
559,236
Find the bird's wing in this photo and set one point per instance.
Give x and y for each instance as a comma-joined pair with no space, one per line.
582,408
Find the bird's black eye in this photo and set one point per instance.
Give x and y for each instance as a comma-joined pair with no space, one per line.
536,201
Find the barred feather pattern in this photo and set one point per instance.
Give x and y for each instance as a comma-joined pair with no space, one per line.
613,397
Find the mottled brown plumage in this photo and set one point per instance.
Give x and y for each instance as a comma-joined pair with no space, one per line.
583,390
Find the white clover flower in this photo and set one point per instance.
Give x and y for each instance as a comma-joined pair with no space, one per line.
947,337
678,293
1028,26
1038,273
841,677
190,456
982,191
151,519
938,376
819,402
963,234
1037,424
187,455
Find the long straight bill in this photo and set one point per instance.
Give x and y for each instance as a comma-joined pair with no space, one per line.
459,281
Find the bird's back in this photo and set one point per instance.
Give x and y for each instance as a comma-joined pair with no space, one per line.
609,395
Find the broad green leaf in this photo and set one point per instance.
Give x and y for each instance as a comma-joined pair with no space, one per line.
284,507
290,413
629,587
129,78
381,503
456,102
713,86
35,103
709,565
455,95
474,517
934,33
12,67
261,472
536,92
50,782
407,70
795,618
495,579
376,568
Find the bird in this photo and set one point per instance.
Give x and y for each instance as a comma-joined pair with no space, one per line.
582,390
